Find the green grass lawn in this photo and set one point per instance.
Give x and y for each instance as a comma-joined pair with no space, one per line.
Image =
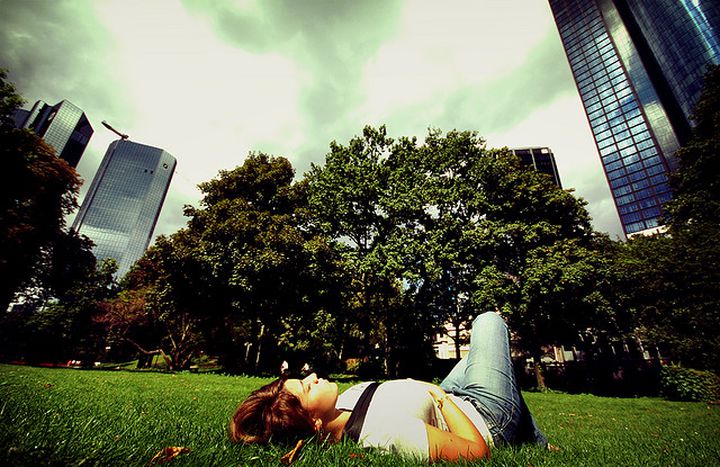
78,417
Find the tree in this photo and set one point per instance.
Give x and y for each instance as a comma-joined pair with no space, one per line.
696,187
40,189
450,228
60,327
260,269
672,281
506,238
348,197
671,285
154,312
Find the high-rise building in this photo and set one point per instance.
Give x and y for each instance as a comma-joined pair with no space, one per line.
540,159
64,126
639,66
123,203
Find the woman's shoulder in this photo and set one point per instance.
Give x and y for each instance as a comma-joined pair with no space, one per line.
349,397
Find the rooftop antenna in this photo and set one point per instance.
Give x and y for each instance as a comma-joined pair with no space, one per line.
109,127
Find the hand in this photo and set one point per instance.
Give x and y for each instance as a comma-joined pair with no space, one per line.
436,391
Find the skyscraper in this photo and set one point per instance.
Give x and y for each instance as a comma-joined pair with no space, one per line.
123,203
638,66
539,159
64,126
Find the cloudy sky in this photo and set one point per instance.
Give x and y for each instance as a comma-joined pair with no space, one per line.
210,81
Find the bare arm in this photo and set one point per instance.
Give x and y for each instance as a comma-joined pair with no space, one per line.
462,441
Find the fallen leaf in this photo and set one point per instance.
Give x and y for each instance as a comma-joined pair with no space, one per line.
169,453
48,385
291,456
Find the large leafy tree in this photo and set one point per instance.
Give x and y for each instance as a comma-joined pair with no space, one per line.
157,310
673,281
349,197
57,324
38,191
696,197
506,238
450,228
262,272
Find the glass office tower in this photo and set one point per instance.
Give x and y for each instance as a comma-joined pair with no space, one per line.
539,159
638,66
123,203
64,126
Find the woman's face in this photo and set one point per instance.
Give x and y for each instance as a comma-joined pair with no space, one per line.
317,396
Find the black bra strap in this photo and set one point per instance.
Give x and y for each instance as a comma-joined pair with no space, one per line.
353,427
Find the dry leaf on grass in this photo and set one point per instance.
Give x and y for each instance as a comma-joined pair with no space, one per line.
169,453
290,457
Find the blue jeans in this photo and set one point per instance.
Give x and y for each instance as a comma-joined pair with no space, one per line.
486,378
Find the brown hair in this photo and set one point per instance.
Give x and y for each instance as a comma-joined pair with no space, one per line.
270,411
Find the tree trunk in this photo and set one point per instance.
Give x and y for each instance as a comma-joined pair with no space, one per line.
252,345
259,346
343,338
168,360
457,340
539,374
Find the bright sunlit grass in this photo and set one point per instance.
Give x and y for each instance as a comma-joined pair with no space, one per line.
74,417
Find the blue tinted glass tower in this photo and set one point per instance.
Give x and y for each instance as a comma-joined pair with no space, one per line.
123,203
638,66
64,126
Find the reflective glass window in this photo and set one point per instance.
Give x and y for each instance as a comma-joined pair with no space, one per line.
616,174
623,190
660,178
631,217
613,156
618,182
655,169
652,222
613,165
607,150
629,198
635,227
635,176
651,212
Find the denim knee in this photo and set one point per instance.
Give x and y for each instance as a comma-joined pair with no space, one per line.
489,317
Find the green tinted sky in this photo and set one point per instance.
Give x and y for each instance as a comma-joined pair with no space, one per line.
210,81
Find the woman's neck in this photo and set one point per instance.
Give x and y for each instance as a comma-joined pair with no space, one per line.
336,424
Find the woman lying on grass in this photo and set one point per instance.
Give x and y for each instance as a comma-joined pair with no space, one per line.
478,404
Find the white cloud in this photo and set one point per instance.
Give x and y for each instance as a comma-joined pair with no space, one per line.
206,92
203,100
444,46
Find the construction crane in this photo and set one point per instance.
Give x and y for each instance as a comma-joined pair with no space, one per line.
109,127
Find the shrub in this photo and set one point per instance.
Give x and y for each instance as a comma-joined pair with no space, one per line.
686,384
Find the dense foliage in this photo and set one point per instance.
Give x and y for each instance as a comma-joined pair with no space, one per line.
437,232
363,260
687,384
672,281
39,189
48,271
248,278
